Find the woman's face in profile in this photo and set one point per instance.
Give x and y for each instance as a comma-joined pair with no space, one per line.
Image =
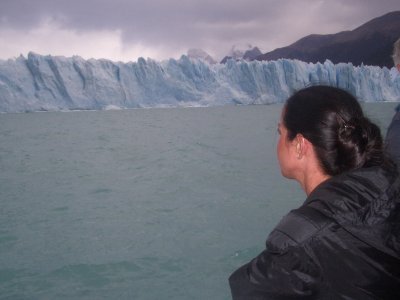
286,151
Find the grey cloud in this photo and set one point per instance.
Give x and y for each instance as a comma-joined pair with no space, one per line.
197,23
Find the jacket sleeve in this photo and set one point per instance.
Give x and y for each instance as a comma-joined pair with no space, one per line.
285,270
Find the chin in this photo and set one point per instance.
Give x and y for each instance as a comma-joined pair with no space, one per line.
286,174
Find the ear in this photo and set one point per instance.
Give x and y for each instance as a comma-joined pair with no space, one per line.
398,67
300,145
303,146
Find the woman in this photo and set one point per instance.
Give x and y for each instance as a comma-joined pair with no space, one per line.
344,241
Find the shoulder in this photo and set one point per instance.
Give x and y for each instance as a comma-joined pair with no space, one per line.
297,227
347,196
340,200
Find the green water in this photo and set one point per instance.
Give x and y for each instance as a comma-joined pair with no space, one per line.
139,204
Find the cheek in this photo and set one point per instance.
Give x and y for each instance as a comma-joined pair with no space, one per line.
284,158
280,149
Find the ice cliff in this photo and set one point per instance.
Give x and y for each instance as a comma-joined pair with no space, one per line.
58,83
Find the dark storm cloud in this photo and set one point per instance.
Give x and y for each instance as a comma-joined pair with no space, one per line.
208,24
152,19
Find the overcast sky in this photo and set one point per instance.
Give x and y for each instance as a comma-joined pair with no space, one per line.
127,29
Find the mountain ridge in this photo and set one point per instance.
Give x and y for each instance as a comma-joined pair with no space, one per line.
371,44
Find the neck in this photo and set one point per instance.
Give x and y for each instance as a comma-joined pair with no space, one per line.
312,179
309,171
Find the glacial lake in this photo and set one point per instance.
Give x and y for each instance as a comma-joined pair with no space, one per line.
139,204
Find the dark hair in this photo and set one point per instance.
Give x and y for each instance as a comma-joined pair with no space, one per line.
333,121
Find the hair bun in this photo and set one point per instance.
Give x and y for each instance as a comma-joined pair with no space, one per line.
353,131
359,138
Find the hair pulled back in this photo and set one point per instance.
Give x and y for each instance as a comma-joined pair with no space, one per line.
333,121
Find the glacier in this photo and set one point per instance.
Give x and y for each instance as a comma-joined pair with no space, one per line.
53,83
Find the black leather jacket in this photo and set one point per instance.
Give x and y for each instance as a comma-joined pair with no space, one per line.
342,243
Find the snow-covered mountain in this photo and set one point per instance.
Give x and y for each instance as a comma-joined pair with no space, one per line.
247,52
252,54
200,54
58,83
